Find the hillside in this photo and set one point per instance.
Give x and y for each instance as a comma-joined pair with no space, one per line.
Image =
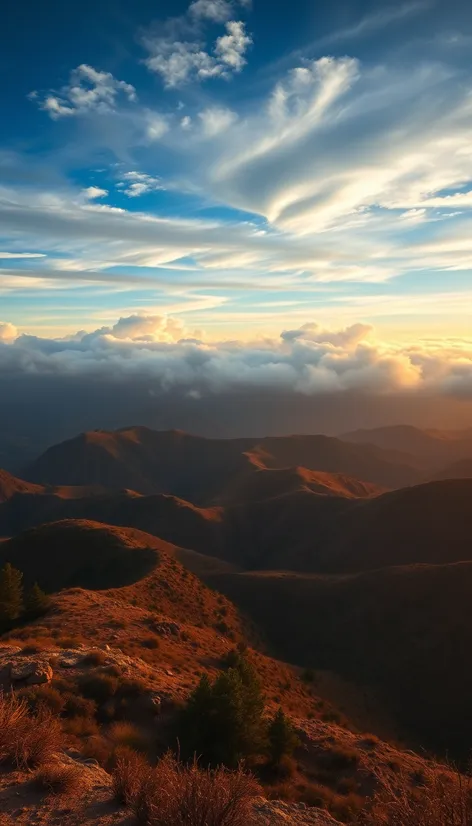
290,519
404,632
428,449
200,470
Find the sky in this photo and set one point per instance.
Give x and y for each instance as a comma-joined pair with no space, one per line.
221,194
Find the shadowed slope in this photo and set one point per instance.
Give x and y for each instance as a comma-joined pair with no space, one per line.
83,553
406,630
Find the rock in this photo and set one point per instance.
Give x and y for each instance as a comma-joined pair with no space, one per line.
32,672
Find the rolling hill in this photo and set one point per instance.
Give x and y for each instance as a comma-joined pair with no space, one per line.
199,469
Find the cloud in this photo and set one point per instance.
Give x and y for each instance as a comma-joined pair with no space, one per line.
8,332
218,11
310,360
336,140
88,90
216,119
92,192
22,255
179,51
377,20
138,183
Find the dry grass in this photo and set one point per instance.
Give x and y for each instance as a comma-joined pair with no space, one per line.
129,777
27,739
58,779
128,735
443,799
176,795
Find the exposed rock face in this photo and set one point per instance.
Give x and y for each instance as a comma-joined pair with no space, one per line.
26,670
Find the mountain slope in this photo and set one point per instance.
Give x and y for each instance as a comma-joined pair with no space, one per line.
428,448
200,469
406,631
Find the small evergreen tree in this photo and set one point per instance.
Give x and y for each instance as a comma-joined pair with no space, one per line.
223,722
37,602
11,594
282,738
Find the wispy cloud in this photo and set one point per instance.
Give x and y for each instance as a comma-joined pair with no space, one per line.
376,21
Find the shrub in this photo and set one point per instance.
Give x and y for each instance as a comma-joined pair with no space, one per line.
445,799
129,776
77,706
11,594
58,778
176,795
27,739
45,695
94,658
150,641
98,687
128,735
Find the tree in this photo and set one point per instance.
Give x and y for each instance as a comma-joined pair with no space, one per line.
223,722
11,594
282,738
37,602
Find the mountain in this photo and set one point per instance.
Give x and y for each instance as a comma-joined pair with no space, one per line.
428,449
405,632
462,469
200,469
290,519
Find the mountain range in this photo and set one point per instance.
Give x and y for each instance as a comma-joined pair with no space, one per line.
348,556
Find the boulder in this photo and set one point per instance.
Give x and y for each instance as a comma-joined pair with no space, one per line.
32,672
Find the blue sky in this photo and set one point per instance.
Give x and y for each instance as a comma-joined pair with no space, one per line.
228,170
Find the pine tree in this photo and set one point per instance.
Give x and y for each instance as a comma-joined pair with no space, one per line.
223,722
11,594
37,602
282,738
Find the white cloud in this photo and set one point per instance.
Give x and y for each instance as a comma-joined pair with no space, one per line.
231,47
178,48
92,192
156,126
22,255
335,140
138,183
311,360
186,122
88,90
218,11
216,119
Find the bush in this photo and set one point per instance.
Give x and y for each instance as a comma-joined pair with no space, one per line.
27,739
94,658
45,695
98,687
177,795
129,776
58,778
129,735
445,799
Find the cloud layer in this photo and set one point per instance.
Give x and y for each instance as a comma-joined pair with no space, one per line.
309,360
